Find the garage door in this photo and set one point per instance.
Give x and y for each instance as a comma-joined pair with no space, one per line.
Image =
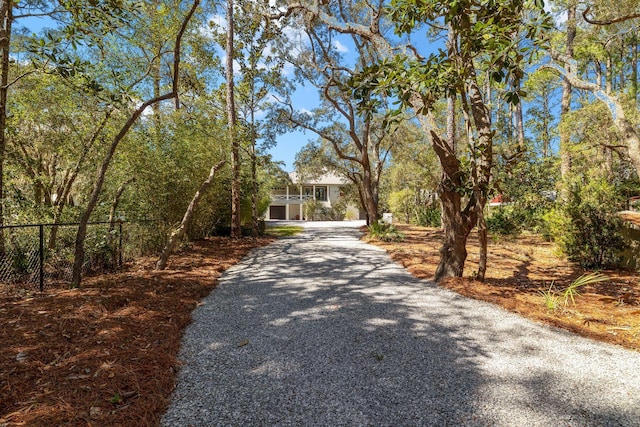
277,212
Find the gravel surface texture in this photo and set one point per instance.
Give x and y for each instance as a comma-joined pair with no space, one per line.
324,330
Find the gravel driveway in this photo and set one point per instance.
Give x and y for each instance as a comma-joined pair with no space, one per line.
323,329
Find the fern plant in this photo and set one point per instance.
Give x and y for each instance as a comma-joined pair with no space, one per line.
385,232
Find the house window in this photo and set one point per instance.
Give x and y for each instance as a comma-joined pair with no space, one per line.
307,191
321,194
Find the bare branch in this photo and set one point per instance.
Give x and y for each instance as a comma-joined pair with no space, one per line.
20,77
585,16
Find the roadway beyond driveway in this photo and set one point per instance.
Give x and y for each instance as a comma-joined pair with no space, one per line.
324,330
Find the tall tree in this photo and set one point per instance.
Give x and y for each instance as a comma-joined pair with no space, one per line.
565,108
124,130
10,11
612,92
479,43
260,78
542,86
356,136
236,231
482,38
53,142
6,20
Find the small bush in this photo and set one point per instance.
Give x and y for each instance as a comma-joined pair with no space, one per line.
385,232
586,226
312,210
402,203
350,215
503,222
337,210
428,216
247,229
551,298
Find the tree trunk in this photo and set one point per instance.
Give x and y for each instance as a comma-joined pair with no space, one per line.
178,233
598,70
482,157
608,86
236,231
634,69
483,240
78,260
621,82
363,203
369,196
456,224
6,17
456,227
519,120
112,216
255,225
546,135
565,107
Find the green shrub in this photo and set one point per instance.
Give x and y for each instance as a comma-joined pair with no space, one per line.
402,203
503,222
586,226
312,210
385,232
350,215
428,216
337,211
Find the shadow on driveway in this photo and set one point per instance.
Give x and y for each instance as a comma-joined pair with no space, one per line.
322,329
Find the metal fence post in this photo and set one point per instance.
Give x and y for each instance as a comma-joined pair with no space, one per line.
41,227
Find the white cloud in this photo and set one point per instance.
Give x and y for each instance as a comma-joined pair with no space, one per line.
559,14
340,47
288,69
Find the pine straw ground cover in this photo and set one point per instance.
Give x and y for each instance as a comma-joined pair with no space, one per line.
106,354
519,270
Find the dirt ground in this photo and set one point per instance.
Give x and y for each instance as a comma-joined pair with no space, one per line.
106,354
519,270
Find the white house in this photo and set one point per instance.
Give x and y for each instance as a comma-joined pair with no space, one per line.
288,202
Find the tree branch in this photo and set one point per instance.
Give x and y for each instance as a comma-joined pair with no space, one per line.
623,18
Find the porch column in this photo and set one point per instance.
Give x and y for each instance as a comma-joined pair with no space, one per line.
301,203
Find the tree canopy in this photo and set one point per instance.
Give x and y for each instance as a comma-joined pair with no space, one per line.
429,109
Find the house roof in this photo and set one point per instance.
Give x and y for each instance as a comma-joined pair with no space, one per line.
326,179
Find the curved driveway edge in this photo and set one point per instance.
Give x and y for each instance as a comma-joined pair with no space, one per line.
324,330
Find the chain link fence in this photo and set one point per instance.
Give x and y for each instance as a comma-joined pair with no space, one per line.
36,255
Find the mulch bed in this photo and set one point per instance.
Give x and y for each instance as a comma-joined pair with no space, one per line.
105,354
519,270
